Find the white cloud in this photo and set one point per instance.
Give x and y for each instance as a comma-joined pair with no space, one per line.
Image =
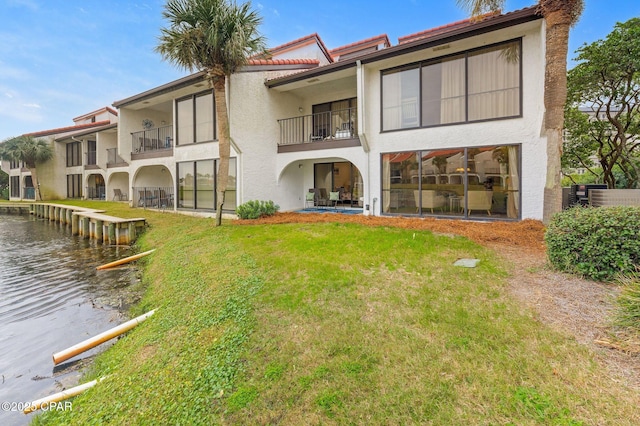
26,3
32,106
276,13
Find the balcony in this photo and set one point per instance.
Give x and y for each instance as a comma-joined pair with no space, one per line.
114,160
152,143
325,130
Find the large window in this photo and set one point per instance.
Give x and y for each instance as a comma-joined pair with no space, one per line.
195,120
74,186
197,185
15,186
400,90
479,182
91,153
477,85
74,154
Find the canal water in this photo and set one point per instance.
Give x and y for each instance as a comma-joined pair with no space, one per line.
52,297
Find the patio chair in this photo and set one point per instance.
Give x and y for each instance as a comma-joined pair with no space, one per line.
117,193
310,199
334,197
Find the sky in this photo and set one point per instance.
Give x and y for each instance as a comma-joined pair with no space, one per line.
60,59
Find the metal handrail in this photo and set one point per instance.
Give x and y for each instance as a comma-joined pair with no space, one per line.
159,138
330,125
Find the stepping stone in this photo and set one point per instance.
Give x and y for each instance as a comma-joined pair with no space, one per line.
467,263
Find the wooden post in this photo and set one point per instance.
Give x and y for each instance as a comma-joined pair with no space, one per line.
132,232
99,230
112,233
75,219
85,227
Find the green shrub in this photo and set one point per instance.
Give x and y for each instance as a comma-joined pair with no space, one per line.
596,242
629,302
255,209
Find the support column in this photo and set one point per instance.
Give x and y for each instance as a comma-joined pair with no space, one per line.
85,227
112,234
75,222
132,232
99,230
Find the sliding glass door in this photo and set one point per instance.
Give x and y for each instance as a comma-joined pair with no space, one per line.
342,177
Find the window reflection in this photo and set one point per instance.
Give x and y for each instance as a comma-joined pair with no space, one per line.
465,182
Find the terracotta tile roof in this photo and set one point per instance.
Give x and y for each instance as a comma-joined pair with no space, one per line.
68,129
454,31
257,61
358,45
446,28
302,41
89,114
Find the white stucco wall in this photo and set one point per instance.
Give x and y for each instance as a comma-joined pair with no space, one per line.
524,130
264,174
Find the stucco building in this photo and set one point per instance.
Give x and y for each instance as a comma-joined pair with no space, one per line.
448,122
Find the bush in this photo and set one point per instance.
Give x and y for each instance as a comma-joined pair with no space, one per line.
596,242
629,302
255,209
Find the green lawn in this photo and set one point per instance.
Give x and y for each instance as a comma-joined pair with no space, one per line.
335,324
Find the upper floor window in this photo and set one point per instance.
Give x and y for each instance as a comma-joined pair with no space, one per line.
14,164
74,154
91,153
195,121
481,84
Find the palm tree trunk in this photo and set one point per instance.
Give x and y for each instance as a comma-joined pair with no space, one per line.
36,187
555,95
224,144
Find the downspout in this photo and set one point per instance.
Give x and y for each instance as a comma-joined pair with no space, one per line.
360,91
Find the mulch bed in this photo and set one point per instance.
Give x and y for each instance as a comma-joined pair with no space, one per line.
527,234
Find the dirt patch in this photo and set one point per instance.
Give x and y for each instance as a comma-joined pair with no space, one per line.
571,305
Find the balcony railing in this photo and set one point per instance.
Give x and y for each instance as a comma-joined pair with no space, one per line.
113,159
153,197
29,193
322,126
157,139
96,193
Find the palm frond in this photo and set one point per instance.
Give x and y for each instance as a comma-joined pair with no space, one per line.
479,7
210,35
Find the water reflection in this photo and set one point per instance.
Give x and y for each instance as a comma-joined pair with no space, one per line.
52,297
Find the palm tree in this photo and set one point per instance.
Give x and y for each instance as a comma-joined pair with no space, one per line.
30,151
217,37
559,16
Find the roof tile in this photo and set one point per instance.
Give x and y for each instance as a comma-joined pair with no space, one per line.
68,129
